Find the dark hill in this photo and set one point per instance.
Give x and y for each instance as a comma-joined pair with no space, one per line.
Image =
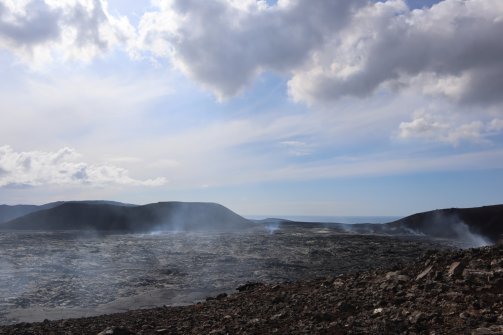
107,217
473,226
8,213
455,223
94,202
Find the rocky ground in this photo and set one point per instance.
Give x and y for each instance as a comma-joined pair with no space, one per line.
66,275
443,292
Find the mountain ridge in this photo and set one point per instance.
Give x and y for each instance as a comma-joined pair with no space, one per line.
170,216
486,221
477,225
483,223
11,212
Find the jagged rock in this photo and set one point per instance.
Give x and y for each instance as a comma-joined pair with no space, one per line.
378,310
402,278
424,273
396,277
248,287
116,331
276,316
391,275
415,317
455,269
497,263
221,296
482,276
345,307
494,330
338,283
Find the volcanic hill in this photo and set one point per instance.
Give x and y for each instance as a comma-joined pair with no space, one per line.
169,216
485,221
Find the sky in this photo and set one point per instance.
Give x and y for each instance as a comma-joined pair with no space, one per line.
288,107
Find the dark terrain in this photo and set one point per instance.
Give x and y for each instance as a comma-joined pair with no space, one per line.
485,221
8,213
103,217
453,292
484,224
71,259
69,274
481,225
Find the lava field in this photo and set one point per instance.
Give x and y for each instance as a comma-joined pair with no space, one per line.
54,275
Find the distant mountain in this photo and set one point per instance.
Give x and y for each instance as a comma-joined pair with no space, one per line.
99,202
475,226
179,216
8,213
456,223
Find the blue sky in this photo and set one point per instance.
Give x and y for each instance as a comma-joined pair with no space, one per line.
270,108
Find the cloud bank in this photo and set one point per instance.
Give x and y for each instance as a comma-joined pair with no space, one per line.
327,50
451,49
39,31
446,128
334,49
224,45
62,167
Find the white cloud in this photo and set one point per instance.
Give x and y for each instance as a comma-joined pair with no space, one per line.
39,31
455,44
225,44
296,148
327,49
442,127
466,132
332,49
422,126
62,167
496,125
